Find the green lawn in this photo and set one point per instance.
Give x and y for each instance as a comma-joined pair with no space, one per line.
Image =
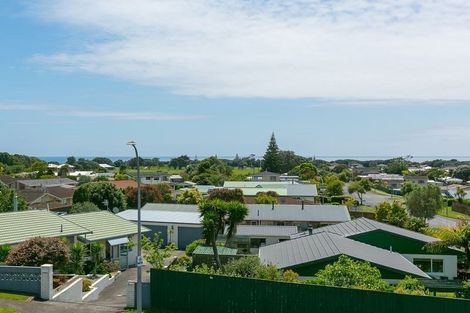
156,169
7,310
365,208
446,294
13,296
448,212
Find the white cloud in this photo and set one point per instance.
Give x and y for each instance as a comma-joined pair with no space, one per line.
406,49
118,115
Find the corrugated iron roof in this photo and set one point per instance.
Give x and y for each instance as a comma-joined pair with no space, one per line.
16,227
324,245
158,216
104,225
206,250
266,230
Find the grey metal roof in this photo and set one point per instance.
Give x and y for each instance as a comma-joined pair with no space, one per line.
363,225
266,231
206,250
282,188
302,190
324,245
295,213
265,212
170,217
47,182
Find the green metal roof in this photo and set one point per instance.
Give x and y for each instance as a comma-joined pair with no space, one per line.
104,225
19,226
206,250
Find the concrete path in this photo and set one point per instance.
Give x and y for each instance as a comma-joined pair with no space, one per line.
56,307
441,221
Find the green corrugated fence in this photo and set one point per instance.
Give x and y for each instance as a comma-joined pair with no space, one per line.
181,292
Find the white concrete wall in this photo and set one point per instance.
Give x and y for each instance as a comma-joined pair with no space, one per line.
71,293
46,281
97,287
450,263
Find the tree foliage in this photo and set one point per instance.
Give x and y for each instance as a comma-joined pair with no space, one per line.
305,171
424,201
38,251
7,196
190,196
394,214
360,187
155,254
210,171
334,186
462,172
155,193
397,166
411,286
351,274
272,160
82,207
266,198
77,254
180,162
226,194
408,187
98,192
458,236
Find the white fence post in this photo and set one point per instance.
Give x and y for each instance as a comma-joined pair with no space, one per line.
46,281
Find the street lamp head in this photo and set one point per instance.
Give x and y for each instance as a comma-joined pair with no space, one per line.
131,143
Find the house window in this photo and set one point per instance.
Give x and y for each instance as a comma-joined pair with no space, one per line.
423,264
257,242
430,265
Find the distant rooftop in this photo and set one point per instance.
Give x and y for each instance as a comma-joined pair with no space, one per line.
52,182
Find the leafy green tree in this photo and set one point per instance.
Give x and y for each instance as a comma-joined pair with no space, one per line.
82,207
96,255
180,162
382,211
38,251
39,166
360,187
71,160
190,196
408,187
63,171
397,166
436,173
411,286
351,274
4,250
271,160
216,214
226,194
193,245
462,172
460,193
77,254
334,187
466,289
157,193
416,224
458,236
155,254
98,192
424,201
101,160
289,160
265,198
6,200
210,171
305,171
394,214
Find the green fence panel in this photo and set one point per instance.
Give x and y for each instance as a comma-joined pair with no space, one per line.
182,292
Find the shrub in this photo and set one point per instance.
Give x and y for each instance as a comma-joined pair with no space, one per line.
243,267
410,286
38,251
193,245
86,284
269,272
182,263
290,276
466,289
4,250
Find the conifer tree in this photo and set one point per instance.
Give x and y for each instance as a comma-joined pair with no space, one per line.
271,159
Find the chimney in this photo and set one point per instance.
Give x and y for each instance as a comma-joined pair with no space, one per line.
61,228
302,204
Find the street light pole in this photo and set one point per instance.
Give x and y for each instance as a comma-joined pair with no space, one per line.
139,262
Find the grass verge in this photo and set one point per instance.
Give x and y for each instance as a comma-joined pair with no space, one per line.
13,296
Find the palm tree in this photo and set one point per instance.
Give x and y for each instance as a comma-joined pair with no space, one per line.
96,250
236,213
458,236
76,258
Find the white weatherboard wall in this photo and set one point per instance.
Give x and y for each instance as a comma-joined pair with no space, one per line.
450,263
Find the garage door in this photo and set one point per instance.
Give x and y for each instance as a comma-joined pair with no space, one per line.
162,230
188,234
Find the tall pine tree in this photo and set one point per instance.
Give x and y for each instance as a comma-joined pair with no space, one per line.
271,159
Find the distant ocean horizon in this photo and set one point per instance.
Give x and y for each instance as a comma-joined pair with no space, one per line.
63,159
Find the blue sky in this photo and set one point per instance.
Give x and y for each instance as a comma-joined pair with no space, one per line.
342,78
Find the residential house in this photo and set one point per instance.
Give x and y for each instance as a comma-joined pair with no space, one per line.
289,193
117,235
391,181
419,180
181,224
411,245
8,181
57,198
22,184
308,255
20,226
265,177
124,184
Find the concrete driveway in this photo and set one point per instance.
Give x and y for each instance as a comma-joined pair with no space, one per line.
56,307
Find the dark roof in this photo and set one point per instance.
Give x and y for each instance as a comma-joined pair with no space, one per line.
364,225
325,245
52,182
6,179
31,194
266,173
265,231
61,192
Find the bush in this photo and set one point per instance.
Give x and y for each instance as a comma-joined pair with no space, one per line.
193,245
38,251
182,263
290,276
411,286
269,272
86,284
4,250
466,289
243,267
